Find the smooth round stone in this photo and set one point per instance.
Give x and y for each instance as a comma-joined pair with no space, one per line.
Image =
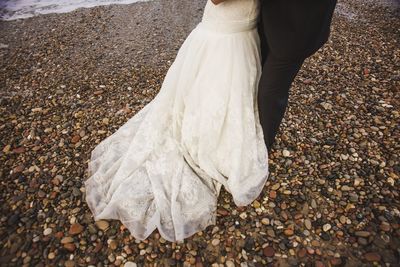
289,232
342,219
345,188
102,225
385,226
335,262
47,231
310,250
27,259
76,192
272,194
265,221
75,229
66,240
70,247
92,229
372,256
215,230
362,233
362,241
271,232
313,204
357,181
292,252
215,242
307,224
325,236
256,204
301,252
353,197
113,245
315,243
269,251
326,227
51,256
230,264
286,153
130,264
275,187
111,257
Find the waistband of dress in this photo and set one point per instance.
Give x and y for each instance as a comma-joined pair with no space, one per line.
228,26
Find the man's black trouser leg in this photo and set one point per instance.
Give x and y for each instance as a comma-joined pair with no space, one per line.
273,93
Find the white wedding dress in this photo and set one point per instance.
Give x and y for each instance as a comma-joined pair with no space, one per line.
165,166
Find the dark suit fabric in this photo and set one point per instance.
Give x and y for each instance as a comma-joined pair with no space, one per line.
290,31
296,29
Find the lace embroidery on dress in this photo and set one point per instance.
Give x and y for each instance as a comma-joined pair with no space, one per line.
164,168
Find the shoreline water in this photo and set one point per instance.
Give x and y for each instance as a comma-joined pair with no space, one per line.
13,10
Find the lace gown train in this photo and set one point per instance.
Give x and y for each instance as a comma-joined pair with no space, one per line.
164,168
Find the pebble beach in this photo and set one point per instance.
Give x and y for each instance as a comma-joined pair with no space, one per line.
69,80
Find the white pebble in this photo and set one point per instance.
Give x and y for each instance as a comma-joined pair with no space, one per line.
286,153
326,227
47,231
130,264
215,242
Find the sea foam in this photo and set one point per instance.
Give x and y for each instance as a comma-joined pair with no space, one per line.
19,9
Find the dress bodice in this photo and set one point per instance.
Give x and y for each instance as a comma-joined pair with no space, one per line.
232,10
